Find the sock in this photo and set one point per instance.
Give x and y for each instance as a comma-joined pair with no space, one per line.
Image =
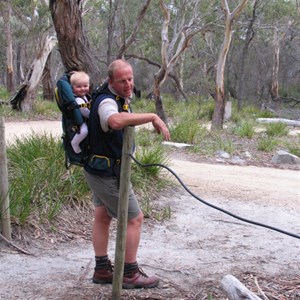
129,267
101,261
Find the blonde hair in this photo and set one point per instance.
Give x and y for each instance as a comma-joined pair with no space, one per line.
79,75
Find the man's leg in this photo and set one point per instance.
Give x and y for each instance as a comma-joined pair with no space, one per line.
133,238
134,277
101,231
103,270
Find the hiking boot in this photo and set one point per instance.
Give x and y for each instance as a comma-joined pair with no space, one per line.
104,274
138,279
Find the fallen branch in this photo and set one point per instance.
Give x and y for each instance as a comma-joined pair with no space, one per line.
279,120
259,289
235,290
13,245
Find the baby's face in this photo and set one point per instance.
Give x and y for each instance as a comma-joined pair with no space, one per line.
81,88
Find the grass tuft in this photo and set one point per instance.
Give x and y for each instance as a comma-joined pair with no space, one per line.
39,183
277,129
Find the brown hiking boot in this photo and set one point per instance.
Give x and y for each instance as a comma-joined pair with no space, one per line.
104,274
138,279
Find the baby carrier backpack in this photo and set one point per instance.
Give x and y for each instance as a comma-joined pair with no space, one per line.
72,119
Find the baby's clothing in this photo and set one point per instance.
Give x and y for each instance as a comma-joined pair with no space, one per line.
79,137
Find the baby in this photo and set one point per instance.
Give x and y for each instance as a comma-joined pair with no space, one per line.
80,82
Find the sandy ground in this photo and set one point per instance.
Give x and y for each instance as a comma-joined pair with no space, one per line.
190,252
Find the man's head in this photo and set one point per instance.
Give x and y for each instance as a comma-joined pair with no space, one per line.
120,77
80,82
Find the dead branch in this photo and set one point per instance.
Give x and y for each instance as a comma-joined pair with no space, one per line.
13,245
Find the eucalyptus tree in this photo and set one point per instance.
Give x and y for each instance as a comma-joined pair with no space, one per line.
179,22
34,44
5,9
230,17
73,43
251,15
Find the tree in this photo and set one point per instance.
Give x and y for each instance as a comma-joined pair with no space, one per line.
241,78
48,87
218,114
72,42
5,9
172,52
24,99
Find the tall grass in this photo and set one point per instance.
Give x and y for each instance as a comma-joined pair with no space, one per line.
276,129
148,181
245,129
267,144
294,147
38,182
42,109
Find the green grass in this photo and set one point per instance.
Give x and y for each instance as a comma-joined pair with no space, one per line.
149,181
245,129
293,147
276,129
42,109
39,184
213,142
38,181
267,144
188,131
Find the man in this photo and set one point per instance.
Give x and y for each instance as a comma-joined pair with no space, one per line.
110,113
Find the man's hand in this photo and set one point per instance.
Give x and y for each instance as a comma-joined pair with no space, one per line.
161,127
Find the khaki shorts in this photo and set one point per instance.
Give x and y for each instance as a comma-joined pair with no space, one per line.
106,193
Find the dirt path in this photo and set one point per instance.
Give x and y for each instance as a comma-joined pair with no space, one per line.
192,251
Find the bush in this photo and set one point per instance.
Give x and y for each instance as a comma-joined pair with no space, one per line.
294,147
277,129
38,181
267,144
245,129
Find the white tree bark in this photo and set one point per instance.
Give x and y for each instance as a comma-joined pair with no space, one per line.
235,290
279,120
24,98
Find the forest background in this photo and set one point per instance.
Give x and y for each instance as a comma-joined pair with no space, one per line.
247,51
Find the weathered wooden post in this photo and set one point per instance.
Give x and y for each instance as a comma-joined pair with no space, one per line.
4,199
122,213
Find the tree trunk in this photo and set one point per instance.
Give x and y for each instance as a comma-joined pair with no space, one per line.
241,73
274,85
160,76
110,28
132,37
158,104
24,98
48,87
73,45
218,115
6,13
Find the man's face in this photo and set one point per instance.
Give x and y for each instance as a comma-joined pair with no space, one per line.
122,81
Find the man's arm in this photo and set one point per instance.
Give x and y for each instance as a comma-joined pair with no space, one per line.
120,120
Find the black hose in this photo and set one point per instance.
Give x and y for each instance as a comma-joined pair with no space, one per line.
211,205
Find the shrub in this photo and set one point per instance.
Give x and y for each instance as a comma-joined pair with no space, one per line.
267,144
38,181
293,148
276,129
245,129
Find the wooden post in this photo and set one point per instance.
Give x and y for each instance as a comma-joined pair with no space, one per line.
4,199
122,213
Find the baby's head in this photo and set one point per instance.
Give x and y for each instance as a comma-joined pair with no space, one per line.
80,82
